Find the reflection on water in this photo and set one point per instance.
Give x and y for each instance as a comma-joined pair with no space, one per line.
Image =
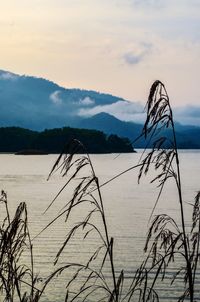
127,205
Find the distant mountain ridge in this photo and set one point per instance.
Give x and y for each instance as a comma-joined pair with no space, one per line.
188,137
110,124
39,104
36,103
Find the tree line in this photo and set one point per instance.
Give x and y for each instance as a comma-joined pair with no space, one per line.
15,139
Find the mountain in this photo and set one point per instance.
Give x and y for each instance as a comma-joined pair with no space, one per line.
39,104
36,103
188,137
110,124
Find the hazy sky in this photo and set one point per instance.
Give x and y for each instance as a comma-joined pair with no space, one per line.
115,46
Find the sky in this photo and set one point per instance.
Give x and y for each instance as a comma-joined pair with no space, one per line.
113,46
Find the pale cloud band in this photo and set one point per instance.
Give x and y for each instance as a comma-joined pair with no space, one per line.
134,112
188,115
123,110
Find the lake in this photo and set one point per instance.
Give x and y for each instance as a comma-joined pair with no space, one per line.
127,205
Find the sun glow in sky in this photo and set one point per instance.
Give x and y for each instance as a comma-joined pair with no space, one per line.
114,46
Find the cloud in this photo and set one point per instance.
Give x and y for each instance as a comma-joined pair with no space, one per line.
8,76
134,112
149,3
138,54
195,3
187,115
123,110
87,101
55,97
132,59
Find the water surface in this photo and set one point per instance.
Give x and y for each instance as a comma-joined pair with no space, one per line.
127,204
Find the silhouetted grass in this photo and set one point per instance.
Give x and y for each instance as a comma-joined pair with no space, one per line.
17,281
165,239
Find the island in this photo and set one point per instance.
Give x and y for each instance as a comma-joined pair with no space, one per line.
25,142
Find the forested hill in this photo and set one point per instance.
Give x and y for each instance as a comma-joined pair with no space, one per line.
14,139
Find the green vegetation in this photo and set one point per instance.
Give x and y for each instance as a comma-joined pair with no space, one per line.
167,241
14,139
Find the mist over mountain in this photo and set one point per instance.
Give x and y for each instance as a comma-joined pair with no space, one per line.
39,104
